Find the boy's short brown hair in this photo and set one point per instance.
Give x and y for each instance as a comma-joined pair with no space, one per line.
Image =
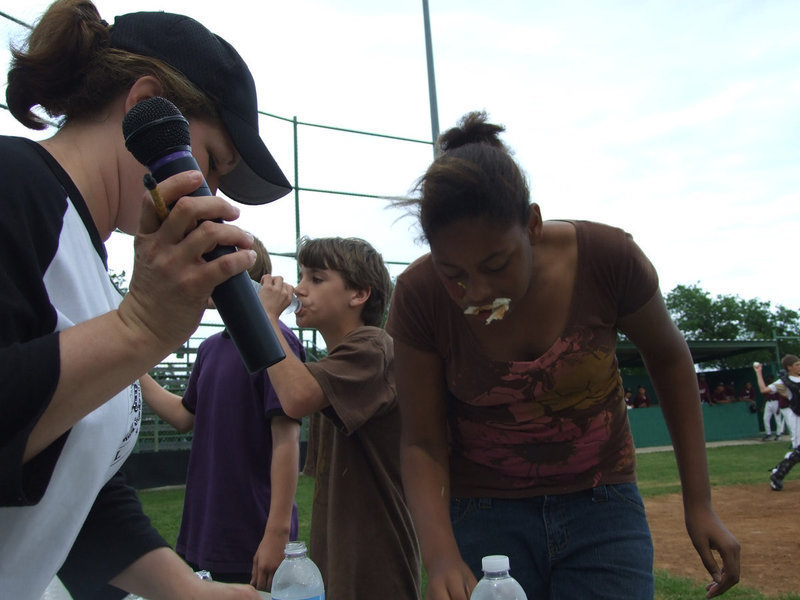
359,264
788,360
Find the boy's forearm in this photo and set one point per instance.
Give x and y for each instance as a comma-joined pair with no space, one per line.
297,389
284,473
762,386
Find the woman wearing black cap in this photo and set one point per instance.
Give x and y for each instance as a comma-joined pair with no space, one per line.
72,350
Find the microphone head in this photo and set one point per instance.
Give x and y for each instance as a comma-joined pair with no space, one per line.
152,128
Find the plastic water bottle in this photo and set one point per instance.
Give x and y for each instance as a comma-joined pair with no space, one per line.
294,304
297,577
496,583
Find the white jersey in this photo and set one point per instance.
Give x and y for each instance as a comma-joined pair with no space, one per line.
53,275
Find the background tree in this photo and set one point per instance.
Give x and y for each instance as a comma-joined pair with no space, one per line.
700,316
120,281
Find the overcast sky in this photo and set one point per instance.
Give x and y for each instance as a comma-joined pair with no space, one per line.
675,120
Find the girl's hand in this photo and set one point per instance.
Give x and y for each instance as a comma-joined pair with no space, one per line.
449,580
707,534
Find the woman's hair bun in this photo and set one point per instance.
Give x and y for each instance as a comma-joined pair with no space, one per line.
473,128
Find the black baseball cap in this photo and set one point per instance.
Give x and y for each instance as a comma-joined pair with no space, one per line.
214,66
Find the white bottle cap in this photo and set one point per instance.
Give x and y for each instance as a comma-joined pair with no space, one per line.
295,548
494,563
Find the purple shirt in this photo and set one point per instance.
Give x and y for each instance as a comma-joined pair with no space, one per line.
227,485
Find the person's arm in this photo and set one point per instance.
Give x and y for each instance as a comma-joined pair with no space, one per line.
143,564
166,405
669,363
762,386
284,471
300,393
425,470
169,291
162,575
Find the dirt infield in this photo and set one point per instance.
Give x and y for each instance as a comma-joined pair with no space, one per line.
766,523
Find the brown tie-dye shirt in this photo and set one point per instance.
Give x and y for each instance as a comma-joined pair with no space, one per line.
556,424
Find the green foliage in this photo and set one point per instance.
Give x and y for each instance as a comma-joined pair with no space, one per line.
120,281
728,317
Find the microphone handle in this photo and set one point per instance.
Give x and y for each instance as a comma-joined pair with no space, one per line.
236,299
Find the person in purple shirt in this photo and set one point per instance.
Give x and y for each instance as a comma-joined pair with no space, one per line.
239,509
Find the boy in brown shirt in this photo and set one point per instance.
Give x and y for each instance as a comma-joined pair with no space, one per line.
362,536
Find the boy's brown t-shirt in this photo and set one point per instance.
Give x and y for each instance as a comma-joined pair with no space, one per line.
553,425
362,536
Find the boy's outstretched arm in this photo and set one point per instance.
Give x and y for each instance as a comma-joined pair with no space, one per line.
762,386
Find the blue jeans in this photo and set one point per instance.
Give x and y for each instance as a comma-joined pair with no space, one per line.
590,544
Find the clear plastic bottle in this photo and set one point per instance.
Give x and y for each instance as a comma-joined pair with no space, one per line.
297,577
294,305
496,583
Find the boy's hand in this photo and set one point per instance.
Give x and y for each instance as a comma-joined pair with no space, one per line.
267,559
275,295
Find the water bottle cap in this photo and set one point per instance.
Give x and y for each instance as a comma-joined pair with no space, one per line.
495,563
294,548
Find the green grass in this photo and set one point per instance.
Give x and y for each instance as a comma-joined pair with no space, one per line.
727,465
657,473
669,587
164,507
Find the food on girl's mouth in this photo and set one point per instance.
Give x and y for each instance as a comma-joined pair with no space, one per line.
498,309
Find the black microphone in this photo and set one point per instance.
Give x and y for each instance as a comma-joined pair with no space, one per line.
157,135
